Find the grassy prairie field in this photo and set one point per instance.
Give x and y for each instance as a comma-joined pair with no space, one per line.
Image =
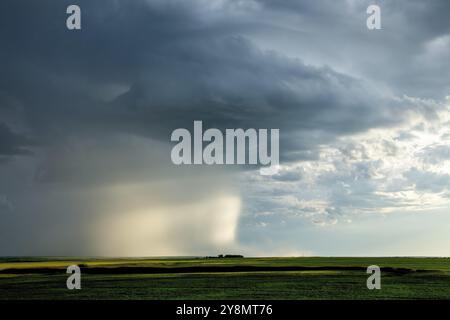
227,278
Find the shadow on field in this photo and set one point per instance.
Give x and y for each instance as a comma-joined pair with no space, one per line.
199,269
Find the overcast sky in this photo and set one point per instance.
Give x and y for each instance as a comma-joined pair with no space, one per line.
86,118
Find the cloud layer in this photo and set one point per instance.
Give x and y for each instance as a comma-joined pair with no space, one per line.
362,117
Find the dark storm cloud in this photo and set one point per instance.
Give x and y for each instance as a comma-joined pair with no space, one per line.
12,143
409,55
174,63
78,99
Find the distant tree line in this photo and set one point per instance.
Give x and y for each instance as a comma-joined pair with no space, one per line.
221,256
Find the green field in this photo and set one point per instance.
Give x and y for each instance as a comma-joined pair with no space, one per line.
228,278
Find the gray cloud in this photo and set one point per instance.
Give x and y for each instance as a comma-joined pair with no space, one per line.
73,104
428,181
148,69
12,143
407,57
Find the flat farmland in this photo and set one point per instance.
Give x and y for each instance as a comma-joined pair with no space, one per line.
227,278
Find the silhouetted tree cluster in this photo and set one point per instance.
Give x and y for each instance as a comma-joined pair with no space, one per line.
221,256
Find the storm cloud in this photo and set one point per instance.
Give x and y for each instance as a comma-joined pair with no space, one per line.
87,113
